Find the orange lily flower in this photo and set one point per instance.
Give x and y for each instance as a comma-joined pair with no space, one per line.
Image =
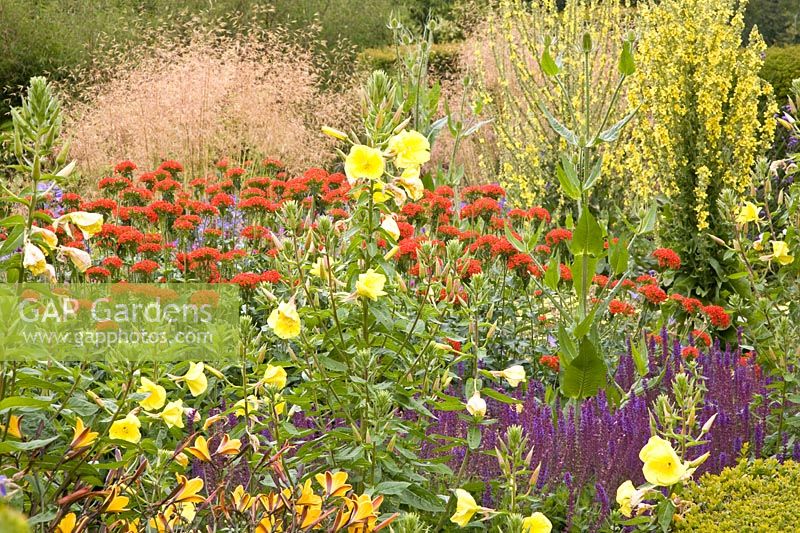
200,449
334,484
229,446
189,489
82,436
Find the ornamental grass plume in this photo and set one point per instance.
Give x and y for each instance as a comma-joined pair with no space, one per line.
197,97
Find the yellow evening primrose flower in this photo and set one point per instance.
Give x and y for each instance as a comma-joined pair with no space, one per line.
90,224
34,259
126,429
50,238
476,406
333,484
514,375
189,489
228,446
156,395
625,494
465,508
67,524
275,376
364,162
389,225
747,213
80,258
195,379
370,284
285,321
172,414
410,181
536,523
82,436
200,449
410,149
252,406
662,466
780,253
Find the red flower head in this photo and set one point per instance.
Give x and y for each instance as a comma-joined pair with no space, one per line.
550,361
719,318
540,213
125,168
145,266
653,293
617,307
565,272
667,258
557,235
690,353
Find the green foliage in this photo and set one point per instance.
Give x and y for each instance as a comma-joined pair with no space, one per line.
778,21
443,59
13,521
781,66
757,496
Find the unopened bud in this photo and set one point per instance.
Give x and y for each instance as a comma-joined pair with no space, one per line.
707,426
333,132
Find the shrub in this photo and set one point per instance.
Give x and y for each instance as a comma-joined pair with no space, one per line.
758,495
444,58
781,66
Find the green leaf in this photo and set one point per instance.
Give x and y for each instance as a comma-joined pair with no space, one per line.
549,65
594,174
665,514
582,262
648,222
618,257
21,401
586,324
499,396
612,133
391,488
588,235
586,374
640,358
13,446
567,347
474,438
552,275
568,178
417,497
567,134
516,243
626,64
